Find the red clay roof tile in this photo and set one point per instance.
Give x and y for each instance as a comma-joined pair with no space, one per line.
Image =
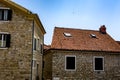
118,42
82,40
46,46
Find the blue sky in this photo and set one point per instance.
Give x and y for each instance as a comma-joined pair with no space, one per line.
81,14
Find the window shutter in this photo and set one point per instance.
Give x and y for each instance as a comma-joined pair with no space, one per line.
2,14
9,14
8,40
41,48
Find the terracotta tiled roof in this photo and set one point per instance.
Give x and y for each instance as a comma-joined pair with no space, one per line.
78,39
118,42
46,47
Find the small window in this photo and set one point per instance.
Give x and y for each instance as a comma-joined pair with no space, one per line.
70,63
38,44
67,34
41,48
93,36
35,42
34,63
98,64
5,14
4,40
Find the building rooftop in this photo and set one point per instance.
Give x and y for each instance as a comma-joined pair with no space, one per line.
80,39
118,42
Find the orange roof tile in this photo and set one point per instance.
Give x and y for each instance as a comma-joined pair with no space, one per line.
78,39
46,46
118,42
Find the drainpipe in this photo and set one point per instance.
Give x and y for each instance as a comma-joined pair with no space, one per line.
32,48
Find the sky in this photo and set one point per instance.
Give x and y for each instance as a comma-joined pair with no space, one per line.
80,14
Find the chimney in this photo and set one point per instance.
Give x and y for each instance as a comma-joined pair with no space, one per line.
102,29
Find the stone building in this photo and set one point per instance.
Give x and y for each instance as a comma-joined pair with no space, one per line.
78,54
21,42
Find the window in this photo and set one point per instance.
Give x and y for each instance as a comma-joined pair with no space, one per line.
98,64
93,36
67,34
34,63
4,40
5,14
37,71
41,48
37,45
70,62
35,42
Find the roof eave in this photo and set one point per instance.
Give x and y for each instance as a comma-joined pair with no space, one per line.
39,23
14,5
29,14
117,52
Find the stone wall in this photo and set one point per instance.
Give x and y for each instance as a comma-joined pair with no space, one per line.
15,62
38,53
84,66
47,66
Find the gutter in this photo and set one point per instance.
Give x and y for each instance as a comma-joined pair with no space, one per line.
108,52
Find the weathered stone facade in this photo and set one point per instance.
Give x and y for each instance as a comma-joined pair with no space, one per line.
16,61
54,65
77,54
47,66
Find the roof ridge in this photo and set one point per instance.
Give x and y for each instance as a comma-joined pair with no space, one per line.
75,29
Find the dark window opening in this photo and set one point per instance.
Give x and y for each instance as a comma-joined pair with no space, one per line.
70,63
5,14
41,48
35,42
98,63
